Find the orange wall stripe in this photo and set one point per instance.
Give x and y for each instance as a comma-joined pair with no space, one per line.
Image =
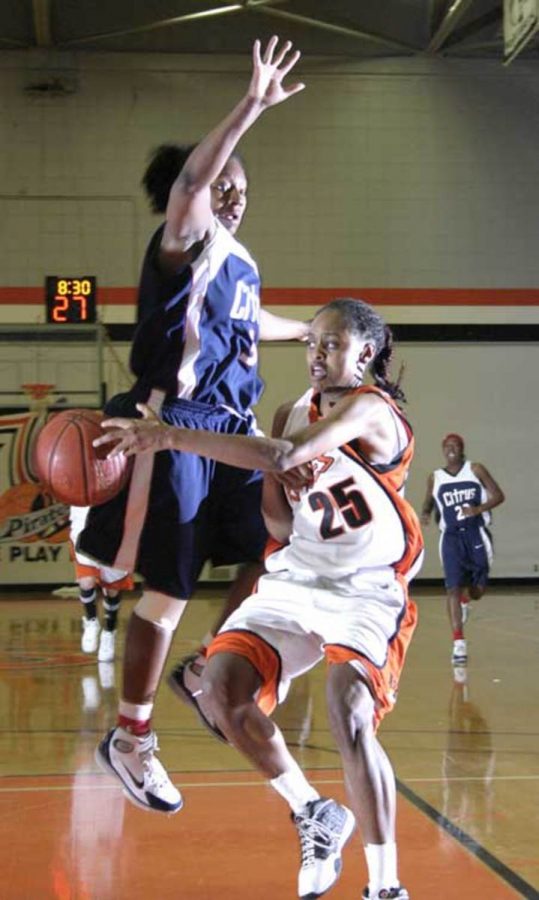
294,296
35,296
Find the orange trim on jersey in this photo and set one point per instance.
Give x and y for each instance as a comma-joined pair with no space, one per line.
396,475
385,681
260,654
410,523
121,584
272,546
391,482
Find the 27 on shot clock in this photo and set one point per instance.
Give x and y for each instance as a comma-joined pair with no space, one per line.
70,300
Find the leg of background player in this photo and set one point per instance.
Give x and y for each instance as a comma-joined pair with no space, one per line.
90,622
454,609
476,591
107,641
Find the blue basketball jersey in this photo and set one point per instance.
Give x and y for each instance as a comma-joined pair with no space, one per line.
452,492
157,286
201,343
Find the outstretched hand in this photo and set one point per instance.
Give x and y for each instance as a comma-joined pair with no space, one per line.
269,69
131,436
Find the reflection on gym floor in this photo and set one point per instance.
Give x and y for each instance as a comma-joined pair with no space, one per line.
463,743
468,762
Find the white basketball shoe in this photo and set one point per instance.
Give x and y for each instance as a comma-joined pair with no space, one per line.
324,827
90,635
107,643
459,657
132,760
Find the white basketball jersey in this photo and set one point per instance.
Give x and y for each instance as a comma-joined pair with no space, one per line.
452,492
354,517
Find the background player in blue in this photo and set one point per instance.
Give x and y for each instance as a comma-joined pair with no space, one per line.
463,494
195,357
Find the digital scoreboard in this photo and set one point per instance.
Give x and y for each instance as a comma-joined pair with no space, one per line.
70,300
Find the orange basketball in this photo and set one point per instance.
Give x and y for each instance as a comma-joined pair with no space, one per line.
67,462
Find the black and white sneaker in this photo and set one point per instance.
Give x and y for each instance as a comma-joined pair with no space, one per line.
459,656
324,828
394,893
185,680
132,760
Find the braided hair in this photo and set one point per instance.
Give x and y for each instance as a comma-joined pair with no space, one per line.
166,163
361,319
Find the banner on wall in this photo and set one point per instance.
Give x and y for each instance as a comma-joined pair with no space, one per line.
34,526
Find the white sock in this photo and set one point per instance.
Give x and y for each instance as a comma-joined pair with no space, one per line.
294,787
382,866
140,712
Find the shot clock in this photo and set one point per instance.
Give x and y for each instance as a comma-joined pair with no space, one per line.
70,300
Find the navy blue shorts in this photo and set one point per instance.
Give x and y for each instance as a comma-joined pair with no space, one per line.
466,555
180,510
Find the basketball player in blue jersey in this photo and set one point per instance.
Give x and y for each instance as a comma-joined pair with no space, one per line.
158,284
462,493
345,547
195,357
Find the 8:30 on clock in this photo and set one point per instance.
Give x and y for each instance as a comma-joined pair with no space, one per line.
70,300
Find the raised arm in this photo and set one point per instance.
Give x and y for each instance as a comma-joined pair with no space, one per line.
428,502
189,216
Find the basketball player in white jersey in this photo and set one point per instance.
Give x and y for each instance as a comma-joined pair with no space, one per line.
345,547
463,494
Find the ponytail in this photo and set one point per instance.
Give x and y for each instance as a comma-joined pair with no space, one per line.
381,365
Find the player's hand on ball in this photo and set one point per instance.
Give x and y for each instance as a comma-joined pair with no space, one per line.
131,436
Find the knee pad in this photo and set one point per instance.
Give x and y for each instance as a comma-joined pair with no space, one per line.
159,609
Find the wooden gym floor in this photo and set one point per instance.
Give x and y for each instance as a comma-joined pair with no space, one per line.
466,756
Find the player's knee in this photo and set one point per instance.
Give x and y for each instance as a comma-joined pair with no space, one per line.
229,684
350,704
87,584
161,610
476,591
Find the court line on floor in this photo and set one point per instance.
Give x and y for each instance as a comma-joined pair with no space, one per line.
223,784
504,872
469,843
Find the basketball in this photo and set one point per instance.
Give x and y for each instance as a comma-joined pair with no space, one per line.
74,470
